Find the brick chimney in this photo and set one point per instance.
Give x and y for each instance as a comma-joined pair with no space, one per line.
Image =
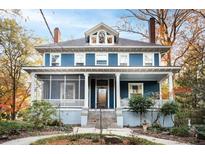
57,35
152,30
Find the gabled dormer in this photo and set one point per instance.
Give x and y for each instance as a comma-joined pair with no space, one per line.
101,34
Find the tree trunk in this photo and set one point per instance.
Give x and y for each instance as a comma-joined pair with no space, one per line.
13,110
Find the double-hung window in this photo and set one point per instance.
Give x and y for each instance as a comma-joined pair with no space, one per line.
101,58
55,59
123,59
135,89
148,59
79,59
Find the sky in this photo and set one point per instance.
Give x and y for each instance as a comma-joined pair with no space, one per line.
72,23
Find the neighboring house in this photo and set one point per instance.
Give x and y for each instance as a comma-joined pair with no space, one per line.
100,70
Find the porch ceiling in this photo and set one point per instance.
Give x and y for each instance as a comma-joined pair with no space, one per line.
142,77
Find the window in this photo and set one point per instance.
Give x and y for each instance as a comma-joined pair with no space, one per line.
79,59
135,89
123,59
55,60
148,59
101,58
68,92
101,37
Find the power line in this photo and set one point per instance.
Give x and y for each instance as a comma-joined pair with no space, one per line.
44,18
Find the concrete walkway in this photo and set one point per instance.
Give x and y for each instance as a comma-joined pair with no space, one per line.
28,140
79,130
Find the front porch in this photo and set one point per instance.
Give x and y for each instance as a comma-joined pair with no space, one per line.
85,92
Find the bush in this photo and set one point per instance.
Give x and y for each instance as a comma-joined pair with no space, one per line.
182,131
40,114
200,131
169,108
55,122
14,127
139,104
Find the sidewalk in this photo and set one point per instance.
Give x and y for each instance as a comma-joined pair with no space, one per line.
79,130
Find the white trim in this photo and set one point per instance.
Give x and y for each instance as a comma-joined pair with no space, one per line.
136,83
160,61
51,54
136,47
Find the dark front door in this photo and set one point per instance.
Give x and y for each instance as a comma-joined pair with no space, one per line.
102,94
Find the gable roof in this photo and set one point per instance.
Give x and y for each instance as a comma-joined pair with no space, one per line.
101,26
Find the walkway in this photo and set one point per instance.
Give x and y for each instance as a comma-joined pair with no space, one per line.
79,130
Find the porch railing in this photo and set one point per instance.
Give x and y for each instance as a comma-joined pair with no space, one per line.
66,102
158,103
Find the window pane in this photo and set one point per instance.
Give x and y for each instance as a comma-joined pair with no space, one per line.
148,59
101,37
123,59
101,58
80,58
55,60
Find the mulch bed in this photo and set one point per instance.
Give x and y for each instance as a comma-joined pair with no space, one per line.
164,135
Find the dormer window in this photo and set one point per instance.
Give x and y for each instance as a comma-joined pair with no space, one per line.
101,37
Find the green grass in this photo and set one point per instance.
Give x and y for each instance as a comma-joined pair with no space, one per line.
94,138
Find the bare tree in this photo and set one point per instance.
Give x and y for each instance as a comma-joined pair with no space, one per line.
169,23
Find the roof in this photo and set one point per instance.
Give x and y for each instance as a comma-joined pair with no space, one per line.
101,26
81,43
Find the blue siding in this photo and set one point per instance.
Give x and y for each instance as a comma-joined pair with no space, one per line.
93,93
112,59
67,59
149,88
90,59
156,59
111,105
136,59
47,59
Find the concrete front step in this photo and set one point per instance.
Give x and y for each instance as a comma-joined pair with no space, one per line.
108,119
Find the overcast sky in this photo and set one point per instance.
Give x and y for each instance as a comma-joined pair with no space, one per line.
72,23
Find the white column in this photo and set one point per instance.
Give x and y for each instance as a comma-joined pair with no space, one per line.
118,89
160,91
170,80
86,90
33,86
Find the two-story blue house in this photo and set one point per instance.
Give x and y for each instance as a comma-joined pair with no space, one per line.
100,70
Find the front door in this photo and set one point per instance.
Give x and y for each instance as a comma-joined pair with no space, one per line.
102,94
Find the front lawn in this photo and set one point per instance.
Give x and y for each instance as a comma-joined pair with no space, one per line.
93,139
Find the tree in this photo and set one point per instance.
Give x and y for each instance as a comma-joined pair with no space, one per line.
17,47
140,105
169,25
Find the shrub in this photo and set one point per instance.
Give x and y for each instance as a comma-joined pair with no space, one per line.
40,114
169,108
14,127
139,104
55,122
182,131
